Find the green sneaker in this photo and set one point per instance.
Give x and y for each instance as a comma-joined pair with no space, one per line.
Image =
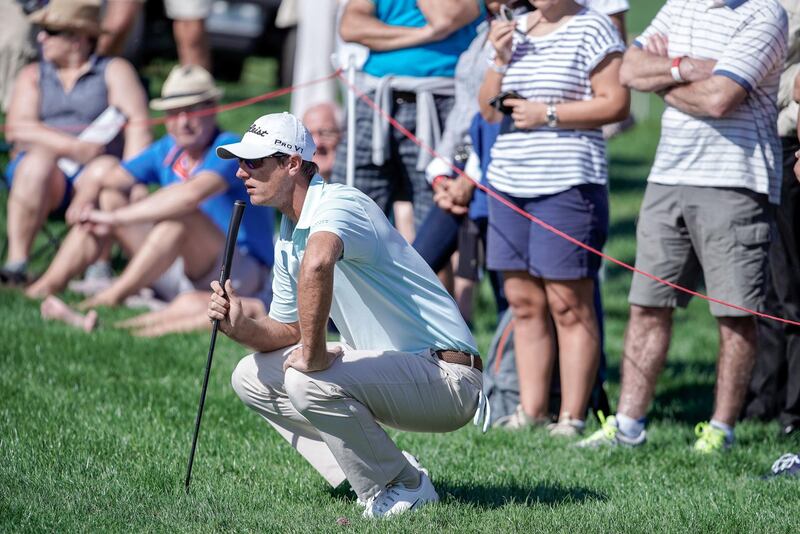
711,439
609,435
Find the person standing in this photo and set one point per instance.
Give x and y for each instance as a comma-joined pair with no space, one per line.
775,385
407,360
706,209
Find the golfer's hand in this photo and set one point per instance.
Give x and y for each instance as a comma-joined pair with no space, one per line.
304,362
527,114
227,309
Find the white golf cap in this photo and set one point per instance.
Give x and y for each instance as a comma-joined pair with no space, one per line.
270,134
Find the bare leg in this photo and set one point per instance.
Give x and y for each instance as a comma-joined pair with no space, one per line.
533,341
571,304
193,237
737,356
118,20
404,219
80,249
646,345
192,42
37,190
54,308
187,312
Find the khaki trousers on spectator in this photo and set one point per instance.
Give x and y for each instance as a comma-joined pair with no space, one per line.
332,417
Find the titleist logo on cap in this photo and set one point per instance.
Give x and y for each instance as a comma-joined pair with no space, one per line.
258,131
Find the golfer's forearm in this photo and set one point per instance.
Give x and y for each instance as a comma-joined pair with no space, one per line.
266,334
314,298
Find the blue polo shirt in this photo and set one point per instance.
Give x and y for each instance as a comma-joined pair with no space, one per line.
385,297
162,164
433,59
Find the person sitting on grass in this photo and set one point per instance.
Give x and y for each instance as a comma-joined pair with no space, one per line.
52,102
176,235
406,360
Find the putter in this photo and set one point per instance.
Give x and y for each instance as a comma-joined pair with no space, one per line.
230,244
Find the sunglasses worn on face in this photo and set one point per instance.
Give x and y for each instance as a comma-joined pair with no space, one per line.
254,164
54,33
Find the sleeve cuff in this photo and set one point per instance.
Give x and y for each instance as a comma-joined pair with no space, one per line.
735,77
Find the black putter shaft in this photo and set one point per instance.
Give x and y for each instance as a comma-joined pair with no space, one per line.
230,244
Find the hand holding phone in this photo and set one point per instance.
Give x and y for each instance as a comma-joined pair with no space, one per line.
497,101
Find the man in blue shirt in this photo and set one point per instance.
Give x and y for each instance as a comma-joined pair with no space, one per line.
406,360
182,224
414,47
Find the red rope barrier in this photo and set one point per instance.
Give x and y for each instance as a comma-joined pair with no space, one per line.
545,225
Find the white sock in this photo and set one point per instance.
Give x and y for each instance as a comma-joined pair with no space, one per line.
16,266
728,429
629,426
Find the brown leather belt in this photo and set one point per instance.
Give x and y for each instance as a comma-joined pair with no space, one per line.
460,357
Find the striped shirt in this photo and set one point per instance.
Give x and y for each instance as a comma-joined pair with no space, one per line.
747,38
554,68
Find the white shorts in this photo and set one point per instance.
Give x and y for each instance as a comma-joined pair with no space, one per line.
249,276
187,9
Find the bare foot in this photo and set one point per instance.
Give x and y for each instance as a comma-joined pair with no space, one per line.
54,308
101,299
37,290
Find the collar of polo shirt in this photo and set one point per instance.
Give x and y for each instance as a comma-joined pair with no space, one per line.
733,4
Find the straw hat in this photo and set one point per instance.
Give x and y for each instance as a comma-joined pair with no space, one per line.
186,85
78,16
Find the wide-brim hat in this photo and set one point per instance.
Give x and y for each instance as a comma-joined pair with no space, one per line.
277,133
78,16
186,85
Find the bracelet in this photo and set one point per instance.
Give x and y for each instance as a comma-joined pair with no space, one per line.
675,69
499,69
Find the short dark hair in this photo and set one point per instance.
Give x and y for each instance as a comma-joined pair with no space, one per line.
307,168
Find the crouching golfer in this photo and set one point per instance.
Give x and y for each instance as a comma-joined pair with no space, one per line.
406,360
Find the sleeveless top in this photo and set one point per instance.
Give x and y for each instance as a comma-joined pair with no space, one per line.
72,112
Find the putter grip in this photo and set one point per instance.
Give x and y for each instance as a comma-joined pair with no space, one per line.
230,241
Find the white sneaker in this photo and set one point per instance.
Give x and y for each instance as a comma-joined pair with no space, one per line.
398,499
412,460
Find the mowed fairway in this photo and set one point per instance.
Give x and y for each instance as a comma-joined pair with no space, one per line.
95,429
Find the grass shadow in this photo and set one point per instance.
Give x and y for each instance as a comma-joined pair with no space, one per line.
491,496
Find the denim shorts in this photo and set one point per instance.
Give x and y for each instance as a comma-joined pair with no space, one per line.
515,243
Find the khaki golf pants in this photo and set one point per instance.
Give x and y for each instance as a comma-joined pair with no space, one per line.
332,417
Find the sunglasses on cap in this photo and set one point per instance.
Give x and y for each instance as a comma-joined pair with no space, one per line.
254,164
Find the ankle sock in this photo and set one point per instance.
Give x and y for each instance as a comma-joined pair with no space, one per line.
728,429
629,426
16,266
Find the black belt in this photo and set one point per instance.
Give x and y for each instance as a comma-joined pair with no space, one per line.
460,357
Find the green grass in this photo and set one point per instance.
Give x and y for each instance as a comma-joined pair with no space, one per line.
95,430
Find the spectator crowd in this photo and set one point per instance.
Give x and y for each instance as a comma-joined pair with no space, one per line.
520,96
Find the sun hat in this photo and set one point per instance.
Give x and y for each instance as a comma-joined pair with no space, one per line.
186,85
271,134
78,16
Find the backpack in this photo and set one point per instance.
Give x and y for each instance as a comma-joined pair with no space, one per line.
501,383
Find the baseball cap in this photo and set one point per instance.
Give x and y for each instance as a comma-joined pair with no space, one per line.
271,134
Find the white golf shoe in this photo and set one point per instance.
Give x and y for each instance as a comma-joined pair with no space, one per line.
397,499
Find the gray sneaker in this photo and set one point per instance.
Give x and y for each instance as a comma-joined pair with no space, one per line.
519,420
609,435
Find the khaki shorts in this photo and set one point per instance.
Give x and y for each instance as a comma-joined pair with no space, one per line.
187,9
684,232
249,276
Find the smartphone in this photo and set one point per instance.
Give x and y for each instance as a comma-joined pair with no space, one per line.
506,13
497,101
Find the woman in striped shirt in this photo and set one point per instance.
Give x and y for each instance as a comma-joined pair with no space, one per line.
562,61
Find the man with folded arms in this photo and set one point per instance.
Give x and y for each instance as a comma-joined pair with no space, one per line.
406,360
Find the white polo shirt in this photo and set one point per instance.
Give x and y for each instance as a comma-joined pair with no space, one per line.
385,297
747,38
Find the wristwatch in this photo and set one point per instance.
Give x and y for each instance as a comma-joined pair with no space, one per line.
551,116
